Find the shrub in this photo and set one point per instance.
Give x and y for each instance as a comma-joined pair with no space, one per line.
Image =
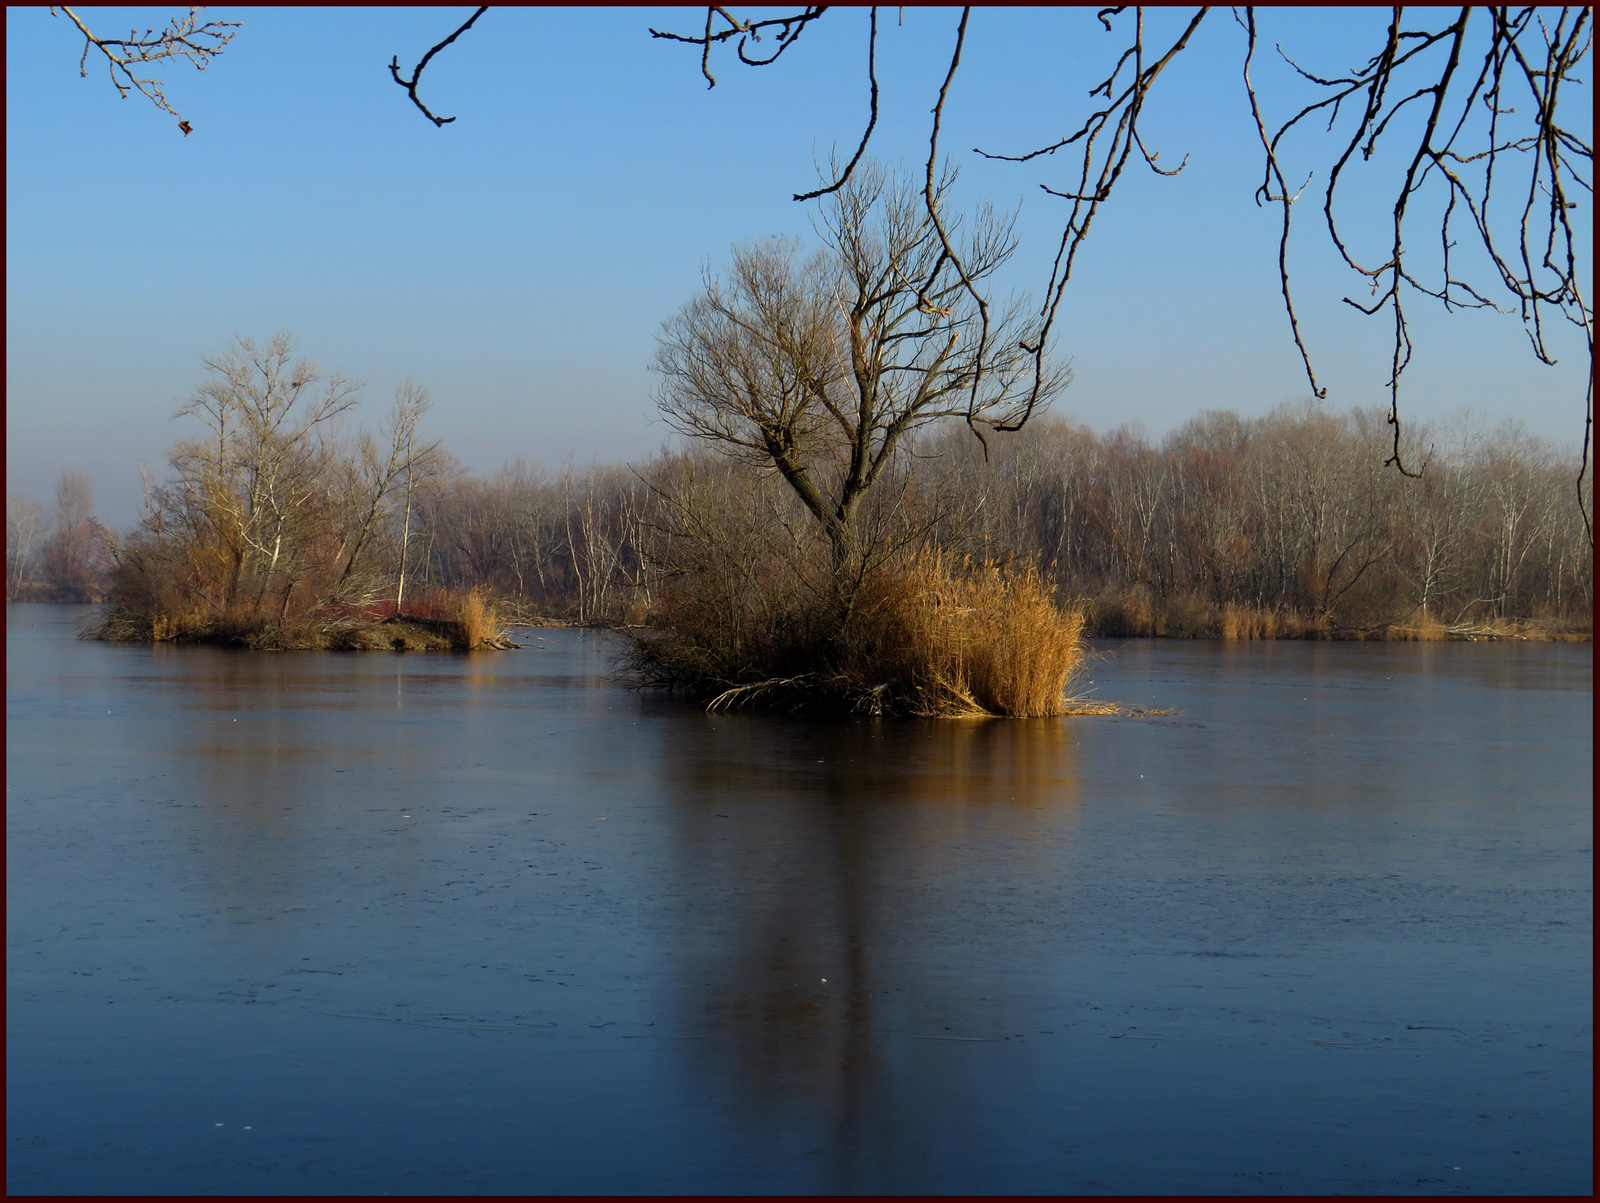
932,637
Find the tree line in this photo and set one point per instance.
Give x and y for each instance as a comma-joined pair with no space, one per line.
60,555
869,460
1289,520
1291,514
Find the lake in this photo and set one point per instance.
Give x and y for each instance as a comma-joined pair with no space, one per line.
379,923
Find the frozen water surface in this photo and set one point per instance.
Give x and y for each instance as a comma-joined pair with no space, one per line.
411,924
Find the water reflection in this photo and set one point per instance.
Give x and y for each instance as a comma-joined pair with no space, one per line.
821,857
1332,853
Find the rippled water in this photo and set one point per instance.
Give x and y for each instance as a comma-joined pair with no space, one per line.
387,923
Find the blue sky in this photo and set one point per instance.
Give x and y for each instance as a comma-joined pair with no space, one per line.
519,261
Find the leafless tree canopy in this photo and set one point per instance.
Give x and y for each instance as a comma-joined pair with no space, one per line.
1290,519
822,370
66,561
271,515
1283,524
24,525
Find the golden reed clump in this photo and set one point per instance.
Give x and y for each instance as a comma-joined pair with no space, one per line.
950,638
1136,613
932,636
476,623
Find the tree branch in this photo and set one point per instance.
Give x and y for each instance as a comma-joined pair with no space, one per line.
184,37
410,85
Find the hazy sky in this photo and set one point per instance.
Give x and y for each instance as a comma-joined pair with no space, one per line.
519,261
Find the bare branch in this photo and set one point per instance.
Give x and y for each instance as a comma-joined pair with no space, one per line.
872,121
1099,168
1532,254
410,85
1465,99
183,38
1266,194
747,31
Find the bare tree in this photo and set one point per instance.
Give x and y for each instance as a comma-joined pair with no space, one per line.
23,524
383,470
75,553
275,528
823,370
1511,466
259,477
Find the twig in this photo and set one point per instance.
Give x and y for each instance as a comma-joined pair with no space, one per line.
872,121
410,85
184,37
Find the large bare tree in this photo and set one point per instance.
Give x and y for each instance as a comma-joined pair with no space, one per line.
824,368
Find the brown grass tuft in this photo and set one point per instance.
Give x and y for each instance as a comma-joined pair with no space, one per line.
1423,628
954,639
477,625
933,636
1247,622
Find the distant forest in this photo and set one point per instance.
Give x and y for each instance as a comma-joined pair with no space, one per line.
1289,524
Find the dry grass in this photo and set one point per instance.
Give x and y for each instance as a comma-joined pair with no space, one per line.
954,639
934,637
235,627
120,625
1137,614
1247,622
447,622
464,622
476,623
1422,627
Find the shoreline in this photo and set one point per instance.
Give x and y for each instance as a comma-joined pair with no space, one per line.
416,633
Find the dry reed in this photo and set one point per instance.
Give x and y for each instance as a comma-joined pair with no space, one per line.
476,623
1247,622
1423,628
447,621
1137,614
949,639
933,637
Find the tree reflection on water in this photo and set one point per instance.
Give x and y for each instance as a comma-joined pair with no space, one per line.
819,856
